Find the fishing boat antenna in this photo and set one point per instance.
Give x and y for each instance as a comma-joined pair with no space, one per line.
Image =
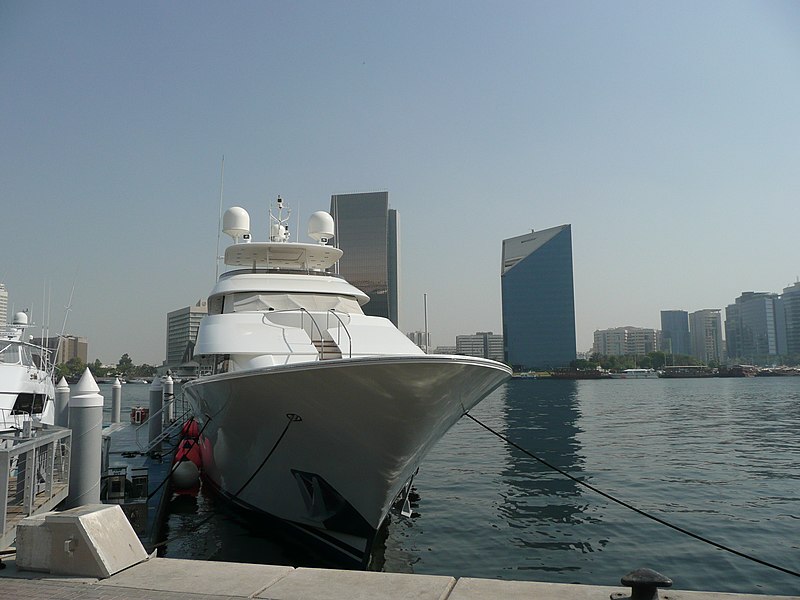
425,307
217,257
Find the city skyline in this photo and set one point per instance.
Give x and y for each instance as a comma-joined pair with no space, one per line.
666,135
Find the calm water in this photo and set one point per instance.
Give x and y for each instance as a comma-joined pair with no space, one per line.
720,457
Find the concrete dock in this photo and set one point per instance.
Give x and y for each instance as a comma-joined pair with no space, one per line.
176,579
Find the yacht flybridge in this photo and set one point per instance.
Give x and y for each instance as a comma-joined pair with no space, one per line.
312,412
26,386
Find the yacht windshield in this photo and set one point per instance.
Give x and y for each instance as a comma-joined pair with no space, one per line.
9,354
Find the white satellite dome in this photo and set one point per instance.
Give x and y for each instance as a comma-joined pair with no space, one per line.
236,222
20,318
320,226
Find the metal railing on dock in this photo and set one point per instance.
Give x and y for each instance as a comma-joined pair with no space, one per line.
34,474
173,414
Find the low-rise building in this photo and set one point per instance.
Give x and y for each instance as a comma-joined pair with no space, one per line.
622,341
484,344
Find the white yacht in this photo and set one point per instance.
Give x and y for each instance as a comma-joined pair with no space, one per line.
635,374
26,386
310,411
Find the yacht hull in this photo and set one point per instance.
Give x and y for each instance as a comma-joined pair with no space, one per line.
327,447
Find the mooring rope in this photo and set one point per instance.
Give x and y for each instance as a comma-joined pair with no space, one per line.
630,506
293,418
195,526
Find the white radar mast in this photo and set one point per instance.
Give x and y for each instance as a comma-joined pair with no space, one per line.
279,226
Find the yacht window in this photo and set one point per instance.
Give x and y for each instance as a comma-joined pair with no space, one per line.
9,355
222,363
250,302
27,358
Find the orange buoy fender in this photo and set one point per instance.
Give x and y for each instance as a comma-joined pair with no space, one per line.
189,450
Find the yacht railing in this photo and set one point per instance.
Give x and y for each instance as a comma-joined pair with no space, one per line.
34,474
314,327
280,270
342,325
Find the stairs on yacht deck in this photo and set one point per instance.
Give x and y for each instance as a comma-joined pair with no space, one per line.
328,349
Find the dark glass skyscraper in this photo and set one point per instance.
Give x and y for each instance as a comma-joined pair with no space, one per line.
675,332
367,232
538,299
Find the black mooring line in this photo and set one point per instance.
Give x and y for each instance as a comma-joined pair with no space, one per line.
630,506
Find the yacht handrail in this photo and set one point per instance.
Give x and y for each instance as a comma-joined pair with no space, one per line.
303,311
258,270
339,332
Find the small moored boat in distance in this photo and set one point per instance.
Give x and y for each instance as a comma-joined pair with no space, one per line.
636,374
687,371
310,411
596,373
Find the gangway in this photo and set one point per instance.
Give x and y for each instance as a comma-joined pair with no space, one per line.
34,474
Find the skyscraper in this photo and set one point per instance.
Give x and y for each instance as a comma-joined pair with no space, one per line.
182,326
367,232
675,332
538,299
787,320
705,330
750,332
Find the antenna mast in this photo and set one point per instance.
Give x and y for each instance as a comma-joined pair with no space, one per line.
219,222
427,339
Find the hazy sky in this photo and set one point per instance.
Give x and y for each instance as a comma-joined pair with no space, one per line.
667,134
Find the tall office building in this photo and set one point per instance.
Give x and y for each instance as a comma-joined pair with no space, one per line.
3,305
750,332
483,344
787,321
705,330
538,299
675,332
63,349
625,341
182,326
367,232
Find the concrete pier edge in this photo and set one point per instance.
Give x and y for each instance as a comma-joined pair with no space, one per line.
174,579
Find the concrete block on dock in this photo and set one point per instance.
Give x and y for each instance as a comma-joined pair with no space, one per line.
95,540
469,588
198,577
358,585
33,543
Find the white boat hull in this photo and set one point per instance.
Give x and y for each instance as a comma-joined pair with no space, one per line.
328,446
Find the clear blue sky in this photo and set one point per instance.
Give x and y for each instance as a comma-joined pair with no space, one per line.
667,134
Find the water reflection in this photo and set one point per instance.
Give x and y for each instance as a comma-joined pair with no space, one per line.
545,507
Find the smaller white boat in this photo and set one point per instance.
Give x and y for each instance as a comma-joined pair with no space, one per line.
26,383
636,374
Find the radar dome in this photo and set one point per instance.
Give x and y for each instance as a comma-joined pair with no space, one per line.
320,226
20,318
236,222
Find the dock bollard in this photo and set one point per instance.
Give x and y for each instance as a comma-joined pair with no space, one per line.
156,418
644,584
86,422
61,418
169,397
116,401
